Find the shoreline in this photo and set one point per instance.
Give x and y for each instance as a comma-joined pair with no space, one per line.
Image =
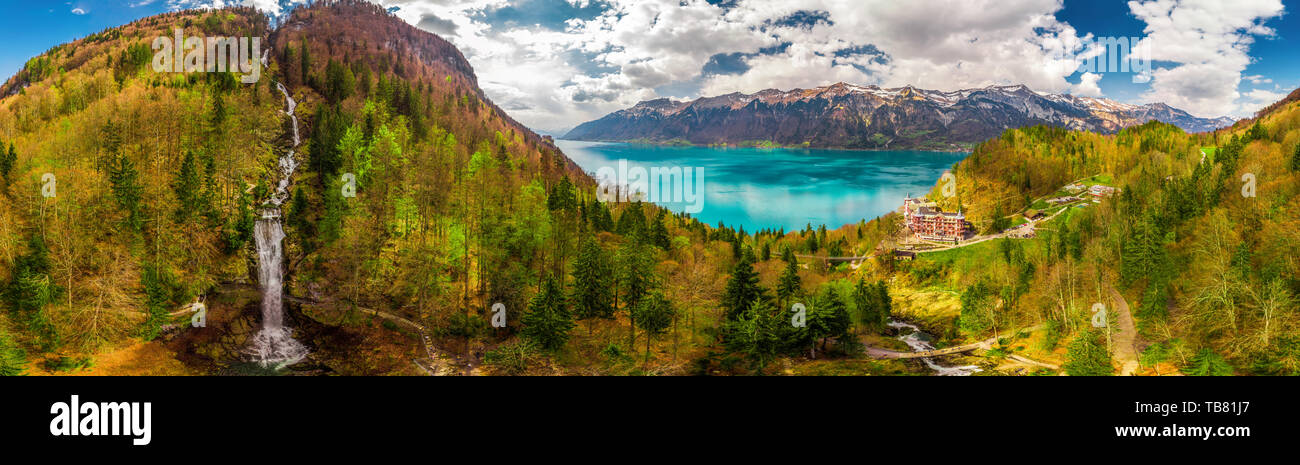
789,147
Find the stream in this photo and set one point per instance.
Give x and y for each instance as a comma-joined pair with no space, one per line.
919,341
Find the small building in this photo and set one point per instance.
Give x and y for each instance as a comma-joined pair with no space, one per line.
904,255
1098,191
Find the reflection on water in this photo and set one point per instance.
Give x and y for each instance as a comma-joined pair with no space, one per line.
790,188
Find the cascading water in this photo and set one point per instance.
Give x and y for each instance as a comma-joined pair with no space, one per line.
274,344
920,342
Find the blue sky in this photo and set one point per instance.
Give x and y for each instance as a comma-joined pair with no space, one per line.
556,63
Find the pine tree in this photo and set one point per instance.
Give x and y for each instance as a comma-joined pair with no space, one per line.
547,322
976,306
654,314
30,289
7,161
788,285
631,221
756,333
126,189
187,188
828,318
1087,355
872,313
1295,158
659,233
591,283
1207,363
306,61
742,288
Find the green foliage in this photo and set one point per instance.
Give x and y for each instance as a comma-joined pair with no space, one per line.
658,234
7,161
788,285
13,360
635,271
655,313
977,309
829,316
512,358
187,188
631,221
742,288
31,289
1207,363
123,177
1154,354
755,333
547,322
1295,159
562,197
592,283
162,292
339,82
1087,355
873,305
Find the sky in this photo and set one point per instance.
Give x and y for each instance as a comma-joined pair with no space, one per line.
554,64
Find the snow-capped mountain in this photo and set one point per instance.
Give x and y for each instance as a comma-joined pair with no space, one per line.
851,116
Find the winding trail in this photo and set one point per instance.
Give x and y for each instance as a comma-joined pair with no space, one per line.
1124,339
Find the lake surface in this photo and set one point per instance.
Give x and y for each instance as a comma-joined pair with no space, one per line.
780,188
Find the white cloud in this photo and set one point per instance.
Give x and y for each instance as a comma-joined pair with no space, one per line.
1209,44
78,11
551,78
1087,86
594,66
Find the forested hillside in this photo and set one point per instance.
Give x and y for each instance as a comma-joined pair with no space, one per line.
1201,241
457,208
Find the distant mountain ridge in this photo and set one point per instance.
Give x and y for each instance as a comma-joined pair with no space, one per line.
851,116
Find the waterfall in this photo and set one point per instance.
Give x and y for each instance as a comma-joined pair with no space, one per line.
274,344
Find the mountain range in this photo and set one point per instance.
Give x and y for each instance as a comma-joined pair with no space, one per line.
851,116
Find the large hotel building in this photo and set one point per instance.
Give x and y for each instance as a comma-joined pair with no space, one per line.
929,222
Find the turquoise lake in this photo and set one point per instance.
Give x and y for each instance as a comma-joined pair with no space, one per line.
781,188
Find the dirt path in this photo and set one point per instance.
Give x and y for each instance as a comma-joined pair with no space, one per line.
1124,338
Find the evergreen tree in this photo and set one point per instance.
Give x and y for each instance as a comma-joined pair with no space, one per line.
654,315
305,64
1295,158
547,322
7,161
31,289
871,315
742,288
788,285
631,221
562,197
659,233
976,309
1087,355
591,283
828,318
755,333
126,189
186,187
1207,363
